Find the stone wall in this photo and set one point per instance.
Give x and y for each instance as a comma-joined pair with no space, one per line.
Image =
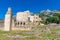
19,26
54,26
1,24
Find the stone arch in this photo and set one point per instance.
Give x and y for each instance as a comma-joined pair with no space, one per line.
21,23
24,23
18,23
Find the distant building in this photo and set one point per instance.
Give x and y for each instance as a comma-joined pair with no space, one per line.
22,21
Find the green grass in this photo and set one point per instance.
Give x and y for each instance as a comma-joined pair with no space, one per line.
56,30
2,37
39,28
23,33
49,36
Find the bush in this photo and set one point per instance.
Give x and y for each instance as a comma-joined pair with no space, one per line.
52,19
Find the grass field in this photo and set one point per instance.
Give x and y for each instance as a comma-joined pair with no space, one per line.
37,33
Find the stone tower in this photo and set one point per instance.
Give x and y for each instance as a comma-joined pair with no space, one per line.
8,20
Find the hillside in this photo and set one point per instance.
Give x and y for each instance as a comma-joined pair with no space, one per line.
37,33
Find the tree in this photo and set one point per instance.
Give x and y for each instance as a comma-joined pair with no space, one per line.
52,19
58,15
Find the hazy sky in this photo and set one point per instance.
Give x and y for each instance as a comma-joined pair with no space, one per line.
32,5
